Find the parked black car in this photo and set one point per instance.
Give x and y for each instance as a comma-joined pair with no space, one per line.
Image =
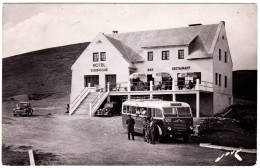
109,109
23,108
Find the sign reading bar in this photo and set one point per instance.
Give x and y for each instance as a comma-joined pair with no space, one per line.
181,68
175,104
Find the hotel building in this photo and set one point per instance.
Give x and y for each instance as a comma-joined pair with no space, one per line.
190,64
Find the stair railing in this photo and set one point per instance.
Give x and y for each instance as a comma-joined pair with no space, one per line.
97,101
76,102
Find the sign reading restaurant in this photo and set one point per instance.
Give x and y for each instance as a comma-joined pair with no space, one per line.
181,68
97,65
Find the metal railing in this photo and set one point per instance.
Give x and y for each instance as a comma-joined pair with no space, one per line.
102,94
163,85
76,102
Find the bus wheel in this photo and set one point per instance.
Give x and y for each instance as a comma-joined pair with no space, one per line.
186,138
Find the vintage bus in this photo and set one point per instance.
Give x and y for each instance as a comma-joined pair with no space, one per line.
173,119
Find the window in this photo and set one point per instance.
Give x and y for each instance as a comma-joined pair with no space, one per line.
102,56
225,81
150,56
219,54
223,37
216,78
133,110
92,79
158,113
165,55
219,77
225,57
124,109
180,54
95,57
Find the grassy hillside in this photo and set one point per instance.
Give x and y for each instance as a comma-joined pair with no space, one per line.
48,72
245,84
42,72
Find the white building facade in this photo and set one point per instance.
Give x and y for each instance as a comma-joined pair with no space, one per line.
198,53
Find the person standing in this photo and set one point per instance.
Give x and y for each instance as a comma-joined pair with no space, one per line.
152,131
146,127
130,122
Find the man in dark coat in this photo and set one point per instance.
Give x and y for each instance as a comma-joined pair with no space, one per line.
152,131
130,122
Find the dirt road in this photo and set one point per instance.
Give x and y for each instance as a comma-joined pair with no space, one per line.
81,140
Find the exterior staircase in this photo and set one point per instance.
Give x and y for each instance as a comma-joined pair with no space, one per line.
84,107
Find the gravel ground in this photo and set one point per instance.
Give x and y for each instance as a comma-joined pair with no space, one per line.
81,140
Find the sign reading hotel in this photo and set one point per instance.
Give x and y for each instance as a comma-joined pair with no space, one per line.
99,67
181,68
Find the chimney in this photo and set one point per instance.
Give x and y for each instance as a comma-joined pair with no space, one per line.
115,31
197,24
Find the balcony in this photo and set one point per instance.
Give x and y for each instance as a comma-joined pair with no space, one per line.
157,87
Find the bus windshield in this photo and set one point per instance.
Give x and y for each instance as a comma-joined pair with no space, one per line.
170,112
183,111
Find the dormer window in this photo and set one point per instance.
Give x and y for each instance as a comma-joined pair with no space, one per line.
225,57
180,54
219,54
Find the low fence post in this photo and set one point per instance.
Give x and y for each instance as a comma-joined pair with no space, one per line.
108,87
173,84
197,84
151,85
31,157
128,87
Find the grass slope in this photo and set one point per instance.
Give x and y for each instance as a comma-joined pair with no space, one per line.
46,71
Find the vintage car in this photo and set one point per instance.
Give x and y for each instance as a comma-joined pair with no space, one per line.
109,109
23,108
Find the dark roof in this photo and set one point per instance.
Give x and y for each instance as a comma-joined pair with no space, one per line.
203,35
126,51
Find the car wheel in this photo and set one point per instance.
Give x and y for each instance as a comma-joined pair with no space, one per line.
14,114
186,138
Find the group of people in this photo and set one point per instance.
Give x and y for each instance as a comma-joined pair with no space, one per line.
165,85
189,85
149,127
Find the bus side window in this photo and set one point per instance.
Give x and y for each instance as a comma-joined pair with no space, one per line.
129,109
152,112
144,112
124,109
133,110
158,113
149,112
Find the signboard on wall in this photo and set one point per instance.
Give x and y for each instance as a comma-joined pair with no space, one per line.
99,67
181,68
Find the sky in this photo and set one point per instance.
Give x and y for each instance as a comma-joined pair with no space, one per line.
30,27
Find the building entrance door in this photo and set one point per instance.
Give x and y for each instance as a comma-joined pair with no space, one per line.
112,81
92,79
150,78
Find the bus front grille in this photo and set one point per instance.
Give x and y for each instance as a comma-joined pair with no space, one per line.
179,125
